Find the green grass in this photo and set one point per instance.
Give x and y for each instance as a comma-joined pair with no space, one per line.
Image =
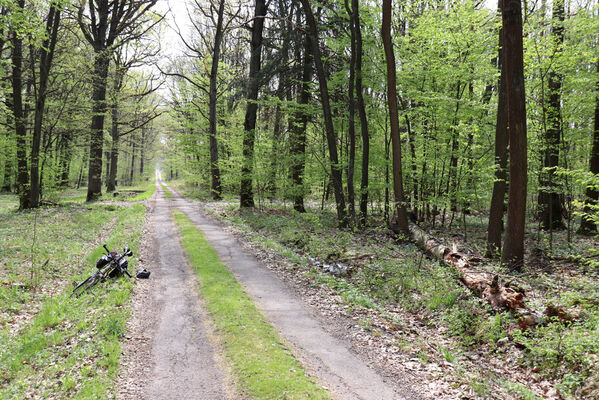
263,367
70,347
167,192
148,192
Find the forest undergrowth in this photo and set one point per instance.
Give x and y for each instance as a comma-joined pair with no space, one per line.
394,291
51,345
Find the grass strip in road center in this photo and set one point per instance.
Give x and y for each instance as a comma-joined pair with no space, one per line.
263,367
167,192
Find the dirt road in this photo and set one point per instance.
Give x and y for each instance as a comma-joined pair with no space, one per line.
174,332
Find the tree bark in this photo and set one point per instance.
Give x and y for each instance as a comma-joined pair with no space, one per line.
215,184
94,182
400,210
46,56
352,116
142,153
298,132
19,120
362,114
114,150
497,209
550,205
246,193
513,246
336,178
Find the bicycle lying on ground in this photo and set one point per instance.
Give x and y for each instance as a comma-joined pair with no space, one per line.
110,265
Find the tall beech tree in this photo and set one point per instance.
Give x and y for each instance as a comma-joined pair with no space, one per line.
215,187
357,26
550,204
513,245
400,209
22,180
497,209
246,193
107,24
297,139
46,54
336,175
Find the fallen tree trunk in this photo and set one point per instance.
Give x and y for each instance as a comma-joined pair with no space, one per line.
485,284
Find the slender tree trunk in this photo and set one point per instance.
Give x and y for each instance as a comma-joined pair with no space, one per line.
114,151
215,185
246,193
142,153
298,132
46,56
132,168
402,218
352,117
336,175
9,151
495,227
94,183
274,154
587,223
65,158
513,245
550,204
19,118
362,114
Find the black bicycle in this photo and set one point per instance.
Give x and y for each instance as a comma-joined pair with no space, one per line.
110,265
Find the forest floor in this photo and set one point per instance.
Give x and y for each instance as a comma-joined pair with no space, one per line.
409,314
53,346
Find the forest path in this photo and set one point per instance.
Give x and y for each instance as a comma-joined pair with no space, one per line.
169,351
346,376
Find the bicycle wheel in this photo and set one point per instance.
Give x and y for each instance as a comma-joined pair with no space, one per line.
86,284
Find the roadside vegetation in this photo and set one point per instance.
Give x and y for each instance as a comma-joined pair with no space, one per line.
51,345
394,291
262,365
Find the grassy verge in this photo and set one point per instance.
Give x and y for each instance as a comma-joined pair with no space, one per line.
263,367
52,345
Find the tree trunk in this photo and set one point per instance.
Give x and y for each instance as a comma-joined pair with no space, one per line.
46,55
402,218
352,116
132,168
114,151
336,178
587,223
246,193
362,114
513,246
20,130
94,182
550,204
495,227
142,153
9,151
66,155
215,185
298,132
